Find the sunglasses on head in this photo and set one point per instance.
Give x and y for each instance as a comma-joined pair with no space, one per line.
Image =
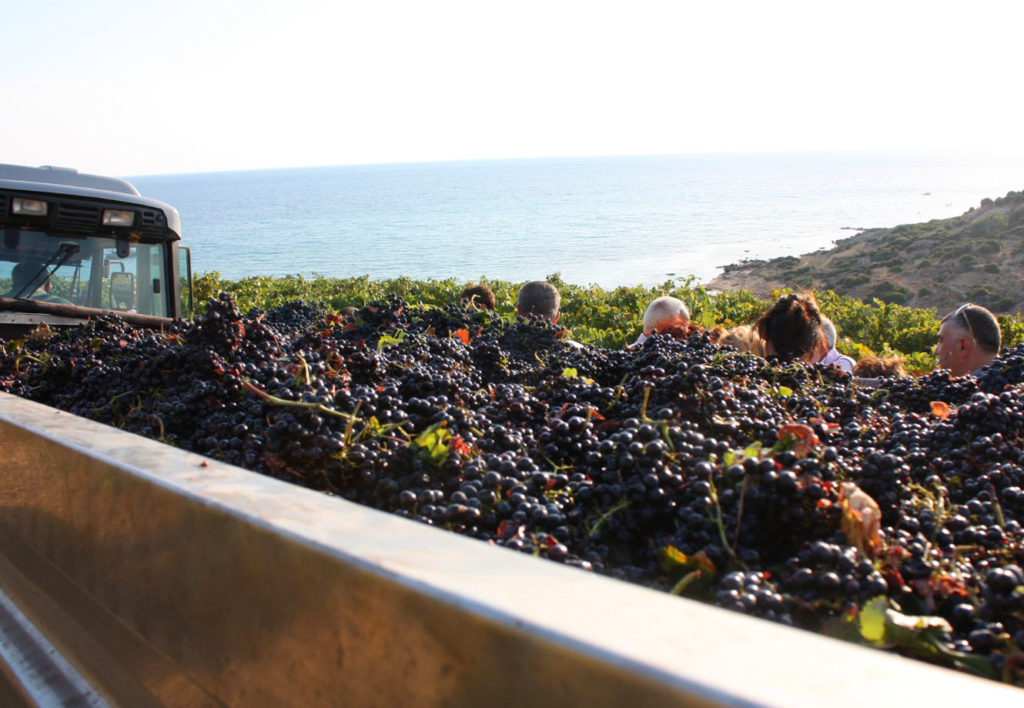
961,312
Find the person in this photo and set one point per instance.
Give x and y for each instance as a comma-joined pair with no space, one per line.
745,339
30,280
791,329
479,297
539,298
968,340
873,367
665,315
833,357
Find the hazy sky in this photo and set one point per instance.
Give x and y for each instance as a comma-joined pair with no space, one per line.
135,87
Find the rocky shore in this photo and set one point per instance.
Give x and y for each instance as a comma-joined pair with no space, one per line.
977,256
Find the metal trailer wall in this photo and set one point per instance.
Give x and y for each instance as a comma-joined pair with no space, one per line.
136,574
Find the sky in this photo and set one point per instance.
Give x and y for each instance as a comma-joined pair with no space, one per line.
132,88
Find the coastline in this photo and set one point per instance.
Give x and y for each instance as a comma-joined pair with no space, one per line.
934,265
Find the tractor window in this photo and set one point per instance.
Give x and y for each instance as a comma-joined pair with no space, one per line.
134,278
60,278
92,272
185,281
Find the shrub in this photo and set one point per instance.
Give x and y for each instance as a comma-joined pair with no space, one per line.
1003,303
890,292
989,226
986,298
989,246
852,281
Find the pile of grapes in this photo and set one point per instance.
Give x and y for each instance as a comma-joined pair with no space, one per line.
890,515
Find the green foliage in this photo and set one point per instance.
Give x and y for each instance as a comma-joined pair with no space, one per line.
852,281
890,292
884,328
989,247
614,318
990,226
993,301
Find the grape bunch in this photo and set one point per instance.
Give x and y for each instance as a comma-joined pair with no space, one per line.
784,491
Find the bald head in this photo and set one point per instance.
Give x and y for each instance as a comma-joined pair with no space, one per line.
665,311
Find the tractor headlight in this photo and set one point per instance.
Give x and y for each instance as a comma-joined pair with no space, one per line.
29,207
118,217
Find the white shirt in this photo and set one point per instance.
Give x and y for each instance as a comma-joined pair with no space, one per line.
834,358
639,340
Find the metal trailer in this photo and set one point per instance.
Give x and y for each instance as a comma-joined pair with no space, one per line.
136,574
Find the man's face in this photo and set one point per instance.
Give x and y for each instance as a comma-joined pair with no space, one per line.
949,348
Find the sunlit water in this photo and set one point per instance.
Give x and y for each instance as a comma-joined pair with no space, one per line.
610,221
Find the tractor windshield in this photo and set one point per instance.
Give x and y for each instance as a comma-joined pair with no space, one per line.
101,272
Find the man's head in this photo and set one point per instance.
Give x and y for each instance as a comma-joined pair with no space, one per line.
969,339
479,297
539,298
22,273
664,313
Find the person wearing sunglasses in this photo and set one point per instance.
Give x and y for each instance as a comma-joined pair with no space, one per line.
969,339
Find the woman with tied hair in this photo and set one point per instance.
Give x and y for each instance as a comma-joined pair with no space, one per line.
871,367
791,329
744,338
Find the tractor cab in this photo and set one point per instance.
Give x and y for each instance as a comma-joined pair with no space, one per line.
76,246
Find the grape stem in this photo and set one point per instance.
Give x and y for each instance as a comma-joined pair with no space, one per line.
622,504
739,511
318,407
720,525
997,508
686,581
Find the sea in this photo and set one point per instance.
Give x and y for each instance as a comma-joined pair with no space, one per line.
606,221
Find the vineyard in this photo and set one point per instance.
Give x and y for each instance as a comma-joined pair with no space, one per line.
613,318
889,516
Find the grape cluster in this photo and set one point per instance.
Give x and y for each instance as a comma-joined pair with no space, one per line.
681,465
